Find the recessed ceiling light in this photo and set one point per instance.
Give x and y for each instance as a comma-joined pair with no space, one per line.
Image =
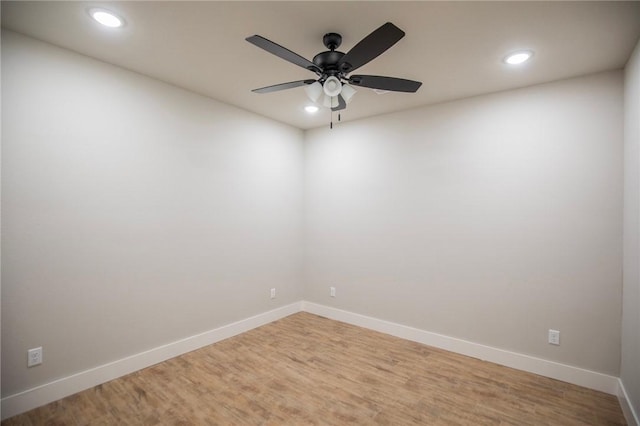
516,58
311,109
106,18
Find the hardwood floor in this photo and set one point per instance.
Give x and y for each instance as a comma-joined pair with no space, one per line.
306,369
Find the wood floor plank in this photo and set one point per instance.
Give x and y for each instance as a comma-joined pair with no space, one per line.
309,370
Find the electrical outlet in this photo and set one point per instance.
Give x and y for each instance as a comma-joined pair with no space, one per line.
34,357
332,291
273,293
554,337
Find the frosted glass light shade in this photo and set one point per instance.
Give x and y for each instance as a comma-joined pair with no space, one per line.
314,91
332,86
347,92
330,101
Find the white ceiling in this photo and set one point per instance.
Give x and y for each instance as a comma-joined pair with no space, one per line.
454,48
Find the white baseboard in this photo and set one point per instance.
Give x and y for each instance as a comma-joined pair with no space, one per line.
566,373
44,394
629,413
49,392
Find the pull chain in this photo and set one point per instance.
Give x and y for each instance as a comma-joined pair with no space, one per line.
331,122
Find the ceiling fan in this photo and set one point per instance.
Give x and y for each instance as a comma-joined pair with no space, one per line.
333,67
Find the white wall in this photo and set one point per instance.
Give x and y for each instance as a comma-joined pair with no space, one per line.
630,369
490,219
134,213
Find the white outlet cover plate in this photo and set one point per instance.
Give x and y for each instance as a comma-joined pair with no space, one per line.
34,357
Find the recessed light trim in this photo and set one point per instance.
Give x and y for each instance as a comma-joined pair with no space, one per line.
106,18
519,57
311,109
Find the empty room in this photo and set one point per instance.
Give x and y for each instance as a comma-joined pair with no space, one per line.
320,212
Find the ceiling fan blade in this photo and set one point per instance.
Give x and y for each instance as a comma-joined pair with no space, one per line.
371,47
282,52
392,84
283,86
341,104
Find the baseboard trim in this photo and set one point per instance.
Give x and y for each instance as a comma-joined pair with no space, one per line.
629,413
32,398
49,392
555,370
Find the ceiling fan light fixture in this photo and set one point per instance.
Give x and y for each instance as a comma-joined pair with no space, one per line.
331,67
314,91
106,18
332,86
311,109
347,92
519,57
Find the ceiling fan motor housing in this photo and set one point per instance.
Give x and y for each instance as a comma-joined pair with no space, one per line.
328,61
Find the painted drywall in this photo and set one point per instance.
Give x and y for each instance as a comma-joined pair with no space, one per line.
491,219
134,213
630,369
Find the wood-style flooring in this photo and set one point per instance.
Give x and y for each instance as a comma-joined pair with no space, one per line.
309,370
